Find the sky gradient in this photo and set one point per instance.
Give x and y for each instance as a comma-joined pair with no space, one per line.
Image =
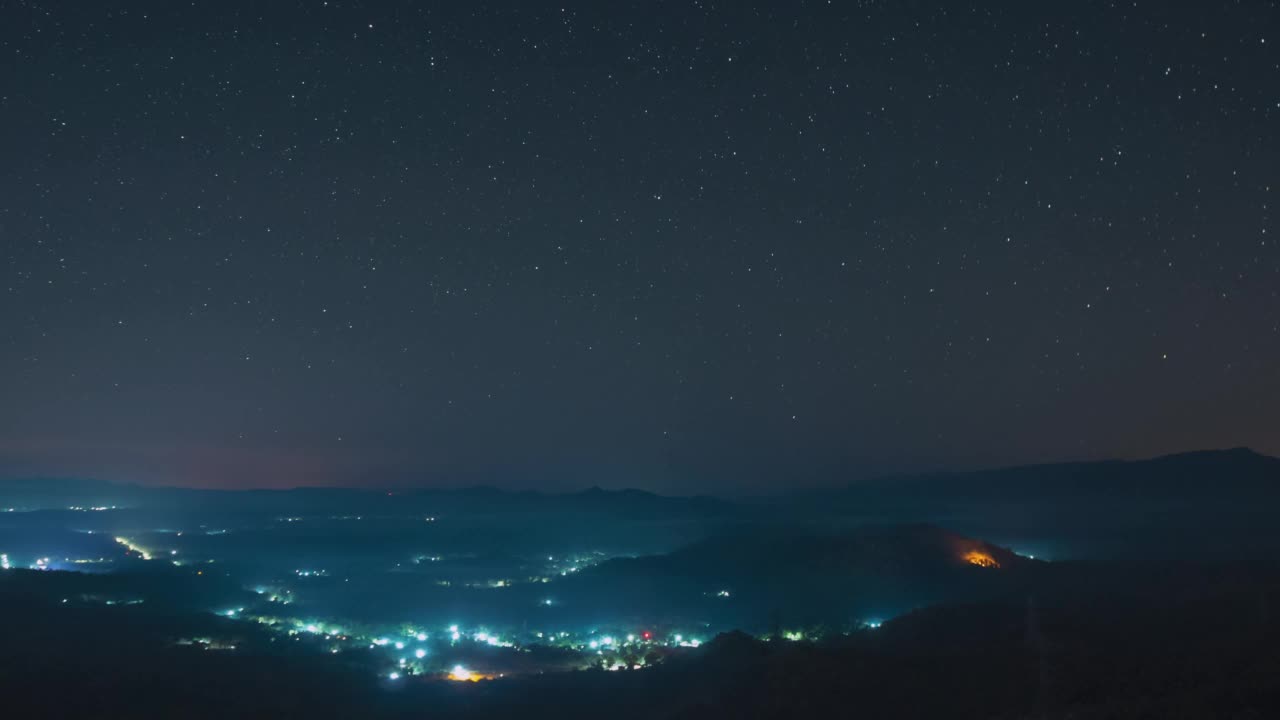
723,247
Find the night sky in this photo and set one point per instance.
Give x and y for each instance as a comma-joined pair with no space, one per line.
688,247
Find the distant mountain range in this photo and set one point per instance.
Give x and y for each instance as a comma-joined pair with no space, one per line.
62,493
1190,504
1192,474
1199,502
1208,473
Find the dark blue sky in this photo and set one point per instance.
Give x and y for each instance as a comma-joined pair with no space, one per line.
681,246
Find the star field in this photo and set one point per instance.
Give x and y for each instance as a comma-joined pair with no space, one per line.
683,246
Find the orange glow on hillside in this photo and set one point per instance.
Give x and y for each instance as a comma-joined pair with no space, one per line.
981,559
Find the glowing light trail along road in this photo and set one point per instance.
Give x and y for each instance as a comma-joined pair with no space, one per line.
146,555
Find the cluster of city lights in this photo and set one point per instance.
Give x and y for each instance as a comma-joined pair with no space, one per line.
409,651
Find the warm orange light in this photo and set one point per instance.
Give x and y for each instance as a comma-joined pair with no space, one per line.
461,674
981,559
